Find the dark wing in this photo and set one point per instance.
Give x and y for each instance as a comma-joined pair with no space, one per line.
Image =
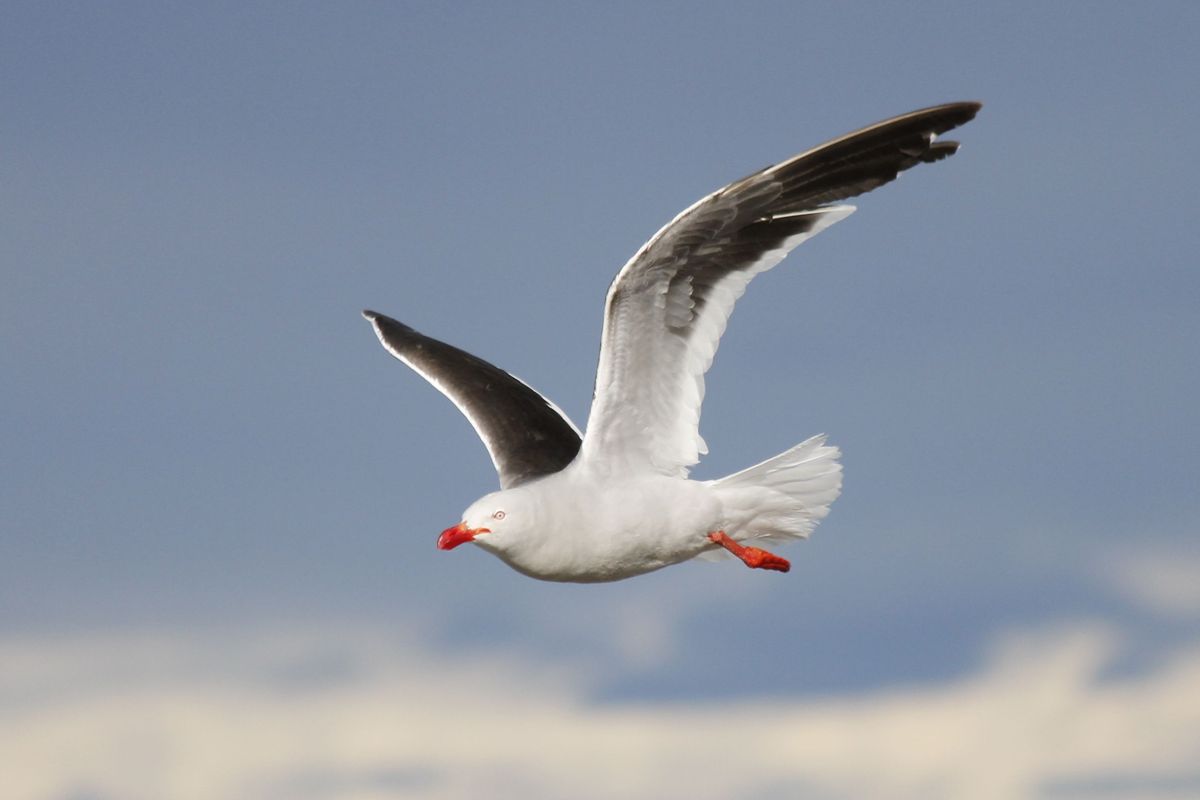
668,306
526,435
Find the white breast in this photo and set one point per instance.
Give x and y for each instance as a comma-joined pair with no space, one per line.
592,530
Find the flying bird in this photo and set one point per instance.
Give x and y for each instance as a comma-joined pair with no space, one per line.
616,501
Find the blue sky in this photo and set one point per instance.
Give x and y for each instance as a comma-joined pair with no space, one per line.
207,451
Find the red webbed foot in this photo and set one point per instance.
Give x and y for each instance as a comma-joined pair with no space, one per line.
753,557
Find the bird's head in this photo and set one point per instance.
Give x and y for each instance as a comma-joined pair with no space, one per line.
492,521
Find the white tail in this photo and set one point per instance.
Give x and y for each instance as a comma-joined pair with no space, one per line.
785,496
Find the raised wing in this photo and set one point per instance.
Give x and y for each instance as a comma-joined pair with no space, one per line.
667,307
526,435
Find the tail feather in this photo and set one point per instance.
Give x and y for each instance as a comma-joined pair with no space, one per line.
785,496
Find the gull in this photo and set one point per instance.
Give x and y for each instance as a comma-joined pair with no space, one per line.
616,501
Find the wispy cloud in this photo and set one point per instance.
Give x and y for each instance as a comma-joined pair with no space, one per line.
1163,580
374,714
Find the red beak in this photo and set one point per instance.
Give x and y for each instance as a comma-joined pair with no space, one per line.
459,534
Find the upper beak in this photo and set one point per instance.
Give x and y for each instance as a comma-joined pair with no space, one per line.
459,534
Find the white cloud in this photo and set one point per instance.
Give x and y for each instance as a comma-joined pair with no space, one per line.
1162,580
374,714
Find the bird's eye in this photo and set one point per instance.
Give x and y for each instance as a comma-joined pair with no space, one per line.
498,515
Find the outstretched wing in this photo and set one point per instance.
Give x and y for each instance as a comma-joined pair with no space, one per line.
668,306
526,435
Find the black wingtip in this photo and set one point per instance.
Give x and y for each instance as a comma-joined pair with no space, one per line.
949,115
971,108
967,111
967,108
384,324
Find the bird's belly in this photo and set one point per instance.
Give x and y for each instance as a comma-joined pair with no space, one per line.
622,531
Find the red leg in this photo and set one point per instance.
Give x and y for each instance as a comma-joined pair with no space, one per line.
752,557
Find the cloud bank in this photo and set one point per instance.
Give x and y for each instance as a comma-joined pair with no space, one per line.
379,714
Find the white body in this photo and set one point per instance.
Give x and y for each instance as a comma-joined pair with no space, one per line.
586,526
604,531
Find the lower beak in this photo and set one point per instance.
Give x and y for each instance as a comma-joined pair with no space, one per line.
459,534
